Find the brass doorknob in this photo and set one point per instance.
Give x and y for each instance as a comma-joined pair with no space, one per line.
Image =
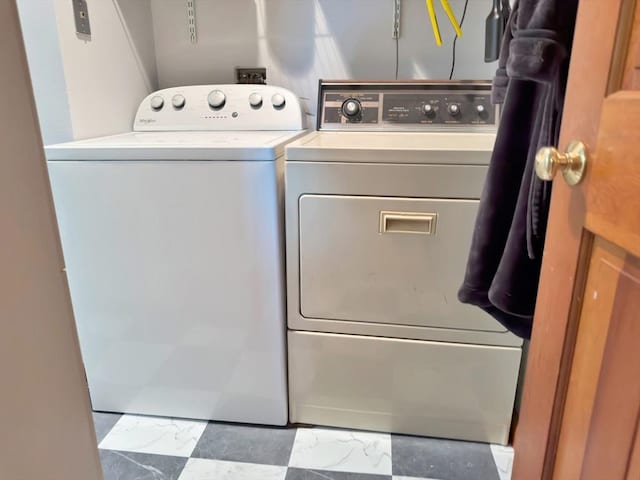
572,163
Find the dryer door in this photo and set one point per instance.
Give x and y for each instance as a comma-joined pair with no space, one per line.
387,260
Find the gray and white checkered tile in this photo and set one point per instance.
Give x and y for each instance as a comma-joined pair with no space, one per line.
151,448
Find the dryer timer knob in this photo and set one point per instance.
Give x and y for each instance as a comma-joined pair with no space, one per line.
351,108
216,99
278,101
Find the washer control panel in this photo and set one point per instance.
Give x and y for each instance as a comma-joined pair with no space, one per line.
220,107
406,106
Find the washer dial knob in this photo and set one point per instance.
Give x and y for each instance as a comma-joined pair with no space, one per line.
178,101
428,110
453,109
278,101
351,108
217,99
480,109
255,100
157,102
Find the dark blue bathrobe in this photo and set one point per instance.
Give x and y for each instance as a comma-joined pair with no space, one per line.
504,262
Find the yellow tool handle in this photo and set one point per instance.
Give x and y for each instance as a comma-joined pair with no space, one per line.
434,22
452,17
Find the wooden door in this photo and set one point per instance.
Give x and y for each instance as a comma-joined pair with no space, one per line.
580,416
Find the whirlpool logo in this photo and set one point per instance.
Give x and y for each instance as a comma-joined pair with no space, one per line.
147,120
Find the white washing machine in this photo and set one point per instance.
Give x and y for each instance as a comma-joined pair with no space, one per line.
380,209
173,243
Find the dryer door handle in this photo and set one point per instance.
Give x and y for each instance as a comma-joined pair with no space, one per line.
408,222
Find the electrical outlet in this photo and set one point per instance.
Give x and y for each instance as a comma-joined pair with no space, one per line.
251,75
81,14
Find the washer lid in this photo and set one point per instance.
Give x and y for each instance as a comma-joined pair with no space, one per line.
223,146
394,147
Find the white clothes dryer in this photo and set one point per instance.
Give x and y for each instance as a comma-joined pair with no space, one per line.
380,209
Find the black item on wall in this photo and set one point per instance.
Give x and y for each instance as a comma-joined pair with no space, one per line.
255,75
504,262
494,29
455,39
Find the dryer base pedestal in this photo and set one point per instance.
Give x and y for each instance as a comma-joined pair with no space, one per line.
416,387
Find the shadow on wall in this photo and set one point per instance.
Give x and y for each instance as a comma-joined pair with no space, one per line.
298,53
227,38
137,23
326,40
290,45
300,41
365,46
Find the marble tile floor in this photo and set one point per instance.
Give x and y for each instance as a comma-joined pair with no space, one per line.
150,448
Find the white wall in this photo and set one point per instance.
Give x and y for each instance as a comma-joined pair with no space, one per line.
139,26
86,89
105,77
40,36
300,41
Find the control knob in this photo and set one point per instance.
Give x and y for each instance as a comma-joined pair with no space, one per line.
453,109
482,111
178,101
351,108
157,102
255,100
217,99
278,101
428,110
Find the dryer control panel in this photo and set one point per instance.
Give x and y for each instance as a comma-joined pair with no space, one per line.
442,105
